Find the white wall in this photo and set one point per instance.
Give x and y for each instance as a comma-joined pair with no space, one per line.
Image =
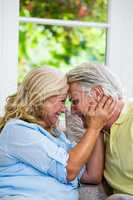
120,42
9,11
0,32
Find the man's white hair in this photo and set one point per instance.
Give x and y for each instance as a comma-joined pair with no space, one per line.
90,74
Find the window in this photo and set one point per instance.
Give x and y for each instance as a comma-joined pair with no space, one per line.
61,33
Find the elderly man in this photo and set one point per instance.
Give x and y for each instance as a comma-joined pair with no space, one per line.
88,83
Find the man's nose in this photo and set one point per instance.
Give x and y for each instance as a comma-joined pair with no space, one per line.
73,108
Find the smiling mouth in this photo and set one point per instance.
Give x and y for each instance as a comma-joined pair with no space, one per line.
57,114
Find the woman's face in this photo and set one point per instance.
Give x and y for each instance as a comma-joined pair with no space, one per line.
52,108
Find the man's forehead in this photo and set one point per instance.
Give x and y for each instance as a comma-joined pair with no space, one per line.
75,87
75,94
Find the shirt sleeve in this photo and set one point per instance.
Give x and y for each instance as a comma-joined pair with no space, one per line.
37,150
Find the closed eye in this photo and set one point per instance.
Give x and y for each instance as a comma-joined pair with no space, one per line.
75,101
63,101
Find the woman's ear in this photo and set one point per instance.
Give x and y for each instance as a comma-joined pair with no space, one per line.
97,92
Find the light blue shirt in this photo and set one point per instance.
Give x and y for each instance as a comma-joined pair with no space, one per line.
33,163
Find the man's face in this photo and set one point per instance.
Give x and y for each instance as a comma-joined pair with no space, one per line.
80,100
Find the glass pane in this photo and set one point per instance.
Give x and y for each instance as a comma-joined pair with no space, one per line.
84,10
58,46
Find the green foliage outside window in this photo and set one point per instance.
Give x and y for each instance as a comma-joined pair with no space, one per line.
60,46
84,10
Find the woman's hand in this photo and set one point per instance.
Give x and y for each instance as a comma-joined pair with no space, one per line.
98,115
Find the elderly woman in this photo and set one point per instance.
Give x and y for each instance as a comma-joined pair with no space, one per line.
36,159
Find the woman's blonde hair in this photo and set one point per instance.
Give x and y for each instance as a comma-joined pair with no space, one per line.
39,84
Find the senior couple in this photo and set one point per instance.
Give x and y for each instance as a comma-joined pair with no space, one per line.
38,162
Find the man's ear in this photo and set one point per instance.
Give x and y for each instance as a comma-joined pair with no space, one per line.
97,92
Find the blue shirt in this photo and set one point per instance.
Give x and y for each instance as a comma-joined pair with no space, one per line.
33,163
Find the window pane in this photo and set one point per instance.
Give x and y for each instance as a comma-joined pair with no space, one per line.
59,46
84,10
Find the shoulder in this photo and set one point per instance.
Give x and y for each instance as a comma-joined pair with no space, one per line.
20,128
21,123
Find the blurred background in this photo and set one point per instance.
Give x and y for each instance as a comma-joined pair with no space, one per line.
61,46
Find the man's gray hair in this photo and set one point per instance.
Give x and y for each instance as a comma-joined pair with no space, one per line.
90,74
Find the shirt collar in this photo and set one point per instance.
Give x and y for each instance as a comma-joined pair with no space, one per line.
124,113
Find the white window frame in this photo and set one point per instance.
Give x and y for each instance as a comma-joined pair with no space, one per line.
61,22
9,12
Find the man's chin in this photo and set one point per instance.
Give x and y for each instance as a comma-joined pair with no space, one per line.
82,117
107,126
